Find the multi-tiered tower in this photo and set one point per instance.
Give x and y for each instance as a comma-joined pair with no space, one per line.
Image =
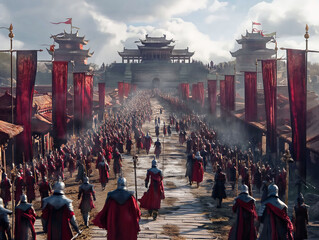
71,50
253,49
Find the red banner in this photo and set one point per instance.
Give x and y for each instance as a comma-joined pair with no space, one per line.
120,91
186,91
59,102
201,93
101,100
126,89
269,68
230,92
78,83
26,73
87,100
222,93
296,73
194,91
250,96
212,87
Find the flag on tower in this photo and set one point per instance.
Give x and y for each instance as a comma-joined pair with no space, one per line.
69,21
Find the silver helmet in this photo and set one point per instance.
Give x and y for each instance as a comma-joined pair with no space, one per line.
154,163
121,183
86,180
272,190
244,189
59,187
23,198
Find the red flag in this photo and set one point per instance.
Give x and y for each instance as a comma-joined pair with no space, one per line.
120,91
186,91
269,68
230,92
201,92
26,73
211,87
52,48
296,72
69,21
250,96
256,23
87,100
59,102
222,96
78,82
101,100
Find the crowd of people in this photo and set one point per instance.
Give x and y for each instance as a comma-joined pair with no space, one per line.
105,145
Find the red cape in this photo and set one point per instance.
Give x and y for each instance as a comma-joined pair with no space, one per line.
63,227
29,215
152,198
198,171
120,221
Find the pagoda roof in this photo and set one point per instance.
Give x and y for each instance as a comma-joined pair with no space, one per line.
253,37
155,48
129,52
69,37
182,52
156,40
241,52
81,52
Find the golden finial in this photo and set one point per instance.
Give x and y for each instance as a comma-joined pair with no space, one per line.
307,34
11,35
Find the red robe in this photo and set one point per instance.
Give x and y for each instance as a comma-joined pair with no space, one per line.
30,188
104,174
198,171
120,220
24,221
19,186
152,198
59,226
5,190
244,227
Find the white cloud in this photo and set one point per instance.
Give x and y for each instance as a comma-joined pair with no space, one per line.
217,6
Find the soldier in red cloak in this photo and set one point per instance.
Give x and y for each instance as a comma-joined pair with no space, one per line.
5,189
273,215
19,185
86,190
24,220
158,148
44,189
58,214
151,199
197,169
117,165
43,168
30,186
120,215
104,172
244,207
129,145
148,142
164,129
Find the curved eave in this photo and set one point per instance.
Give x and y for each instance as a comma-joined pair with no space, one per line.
61,40
155,48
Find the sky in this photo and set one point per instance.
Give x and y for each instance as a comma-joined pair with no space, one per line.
208,27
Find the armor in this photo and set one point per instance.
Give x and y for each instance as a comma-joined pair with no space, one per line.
272,190
120,195
121,183
154,163
5,232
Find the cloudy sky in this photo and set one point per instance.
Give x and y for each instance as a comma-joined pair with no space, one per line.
208,27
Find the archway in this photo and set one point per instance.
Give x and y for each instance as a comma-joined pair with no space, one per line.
156,83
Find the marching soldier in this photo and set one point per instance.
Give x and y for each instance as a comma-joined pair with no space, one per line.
24,220
58,214
151,199
120,215
87,192
5,229
5,189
